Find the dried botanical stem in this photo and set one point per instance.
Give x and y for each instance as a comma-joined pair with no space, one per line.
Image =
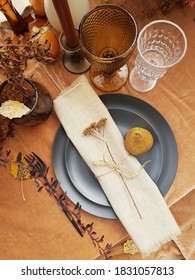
14,59
128,191
97,241
96,130
22,189
166,6
62,199
126,187
53,188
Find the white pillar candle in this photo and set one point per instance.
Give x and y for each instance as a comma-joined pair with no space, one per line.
78,9
52,15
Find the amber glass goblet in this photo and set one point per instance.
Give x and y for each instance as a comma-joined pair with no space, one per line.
16,21
107,36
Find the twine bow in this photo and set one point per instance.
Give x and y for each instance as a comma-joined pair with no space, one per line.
123,173
113,166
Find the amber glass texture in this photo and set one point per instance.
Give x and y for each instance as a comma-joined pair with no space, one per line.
107,37
16,21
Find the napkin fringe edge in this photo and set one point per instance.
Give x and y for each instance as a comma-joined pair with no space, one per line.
71,87
157,245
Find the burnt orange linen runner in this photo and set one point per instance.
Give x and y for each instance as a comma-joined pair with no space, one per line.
182,209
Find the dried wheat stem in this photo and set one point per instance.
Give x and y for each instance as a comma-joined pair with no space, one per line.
22,189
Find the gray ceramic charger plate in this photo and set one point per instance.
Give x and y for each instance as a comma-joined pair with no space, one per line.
127,111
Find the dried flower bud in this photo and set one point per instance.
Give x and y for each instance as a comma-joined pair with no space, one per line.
95,127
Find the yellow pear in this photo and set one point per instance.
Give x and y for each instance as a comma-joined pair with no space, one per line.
138,141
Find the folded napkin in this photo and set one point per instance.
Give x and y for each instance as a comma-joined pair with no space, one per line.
22,6
134,197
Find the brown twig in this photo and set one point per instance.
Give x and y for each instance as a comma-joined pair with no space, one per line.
165,7
54,189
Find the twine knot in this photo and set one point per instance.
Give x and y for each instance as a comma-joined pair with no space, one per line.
113,166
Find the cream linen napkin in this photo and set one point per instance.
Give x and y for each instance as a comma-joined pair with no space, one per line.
22,6
142,210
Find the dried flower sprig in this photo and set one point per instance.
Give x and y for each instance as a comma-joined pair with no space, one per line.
14,56
97,129
14,61
166,6
97,241
54,189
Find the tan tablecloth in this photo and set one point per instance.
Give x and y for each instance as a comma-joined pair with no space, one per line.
37,229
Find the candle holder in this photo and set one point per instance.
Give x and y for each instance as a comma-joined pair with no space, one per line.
73,58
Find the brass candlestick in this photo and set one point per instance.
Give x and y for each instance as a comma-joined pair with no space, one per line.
73,58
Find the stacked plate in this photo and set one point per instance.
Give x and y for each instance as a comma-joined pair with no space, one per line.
127,111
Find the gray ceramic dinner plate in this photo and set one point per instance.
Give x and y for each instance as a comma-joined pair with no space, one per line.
127,111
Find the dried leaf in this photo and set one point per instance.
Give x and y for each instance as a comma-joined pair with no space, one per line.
19,169
101,239
19,164
130,247
13,109
40,189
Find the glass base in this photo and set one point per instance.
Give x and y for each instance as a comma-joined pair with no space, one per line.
73,58
112,82
140,84
75,62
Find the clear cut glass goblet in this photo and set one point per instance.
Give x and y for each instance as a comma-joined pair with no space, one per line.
107,36
161,44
